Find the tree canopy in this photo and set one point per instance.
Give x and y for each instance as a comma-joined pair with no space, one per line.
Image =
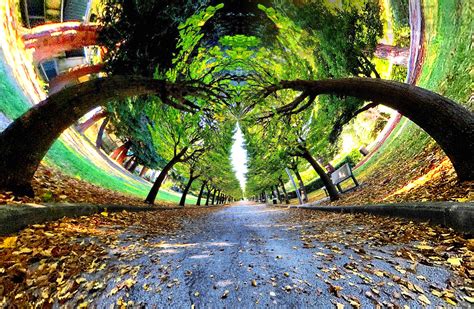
291,73
295,41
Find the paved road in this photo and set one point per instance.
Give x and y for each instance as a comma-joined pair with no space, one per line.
250,256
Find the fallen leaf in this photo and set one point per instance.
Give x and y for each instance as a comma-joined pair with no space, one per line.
226,293
455,261
335,289
469,299
424,247
9,242
423,299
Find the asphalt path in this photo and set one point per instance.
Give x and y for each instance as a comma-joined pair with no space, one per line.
249,256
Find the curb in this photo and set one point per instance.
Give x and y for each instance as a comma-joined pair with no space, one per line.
15,218
458,216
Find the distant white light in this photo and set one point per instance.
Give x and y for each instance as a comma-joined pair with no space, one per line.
239,157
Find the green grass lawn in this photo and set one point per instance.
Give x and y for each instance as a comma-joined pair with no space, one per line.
448,66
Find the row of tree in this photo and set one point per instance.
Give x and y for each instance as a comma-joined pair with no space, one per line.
161,136
180,105
296,121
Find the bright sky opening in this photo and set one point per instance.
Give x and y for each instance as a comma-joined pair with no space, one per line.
239,157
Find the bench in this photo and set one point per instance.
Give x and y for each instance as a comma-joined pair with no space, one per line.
340,175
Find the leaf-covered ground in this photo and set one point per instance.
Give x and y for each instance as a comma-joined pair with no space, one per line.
52,186
51,263
240,256
417,243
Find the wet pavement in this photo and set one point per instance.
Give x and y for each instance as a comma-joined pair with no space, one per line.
251,256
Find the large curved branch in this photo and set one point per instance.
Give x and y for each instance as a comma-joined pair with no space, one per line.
448,123
26,141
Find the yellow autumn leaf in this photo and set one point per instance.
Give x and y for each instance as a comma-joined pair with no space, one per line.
25,250
450,301
424,299
80,280
470,244
424,247
105,213
113,291
455,261
436,293
129,283
9,242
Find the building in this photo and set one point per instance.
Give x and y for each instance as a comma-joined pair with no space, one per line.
41,12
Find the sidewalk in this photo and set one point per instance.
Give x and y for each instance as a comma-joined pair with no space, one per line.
458,216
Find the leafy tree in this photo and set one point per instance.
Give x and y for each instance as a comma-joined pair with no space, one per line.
291,137
178,137
194,173
141,35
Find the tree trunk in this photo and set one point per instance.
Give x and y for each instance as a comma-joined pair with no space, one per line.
143,171
287,200
182,202
450,124
133,166
302,187
214,196
128,163
330,187
99,140
150,199
278,194
25,142
208,194
398,55
89,122
198,203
